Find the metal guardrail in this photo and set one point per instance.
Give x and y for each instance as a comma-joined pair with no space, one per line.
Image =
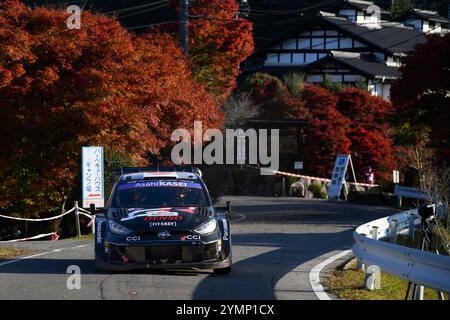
423,268
408,192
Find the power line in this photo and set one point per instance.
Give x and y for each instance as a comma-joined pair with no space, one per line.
143,11
150,25
135,7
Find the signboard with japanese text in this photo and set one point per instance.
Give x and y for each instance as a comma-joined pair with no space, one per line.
298,165
93,177
338,177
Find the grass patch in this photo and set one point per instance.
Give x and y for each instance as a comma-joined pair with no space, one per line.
349,285
6,252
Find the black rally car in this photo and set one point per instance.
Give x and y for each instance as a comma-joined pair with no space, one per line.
157,218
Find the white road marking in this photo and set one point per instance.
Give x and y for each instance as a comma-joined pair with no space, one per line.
314,275
28,257
241,217
80,246
38,255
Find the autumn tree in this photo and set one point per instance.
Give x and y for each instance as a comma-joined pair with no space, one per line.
61,89
219,40
271,94
421,97
350,121
369,131
293,99
326,136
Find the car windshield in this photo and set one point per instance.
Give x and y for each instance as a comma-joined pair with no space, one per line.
159,193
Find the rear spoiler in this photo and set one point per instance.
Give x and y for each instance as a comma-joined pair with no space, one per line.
117,172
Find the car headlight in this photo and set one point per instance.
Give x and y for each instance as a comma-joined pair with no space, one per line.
116,228
207,227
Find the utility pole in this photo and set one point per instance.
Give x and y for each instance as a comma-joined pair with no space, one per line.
184,25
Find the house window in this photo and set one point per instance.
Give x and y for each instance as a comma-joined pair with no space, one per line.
332,43
310,57
334,77
317,43
345,43
272,58
314,78
432,24
290,44
298,58
304,43
285,58
352,78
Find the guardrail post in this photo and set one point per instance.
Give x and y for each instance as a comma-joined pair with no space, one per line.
93,225
372,279
393,231
360,265
411,221
399,202
419,293
77,219
375,233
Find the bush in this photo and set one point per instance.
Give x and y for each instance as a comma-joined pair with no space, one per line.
317,190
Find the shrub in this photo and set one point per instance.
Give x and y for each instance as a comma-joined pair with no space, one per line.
317,190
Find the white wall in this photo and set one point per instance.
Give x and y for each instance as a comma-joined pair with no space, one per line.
380,89
417,24
435,29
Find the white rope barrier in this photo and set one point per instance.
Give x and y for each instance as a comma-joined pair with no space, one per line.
78,211
86,215
312,178
36,220
85,211
53,234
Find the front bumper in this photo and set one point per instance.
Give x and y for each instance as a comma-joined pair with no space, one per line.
174,255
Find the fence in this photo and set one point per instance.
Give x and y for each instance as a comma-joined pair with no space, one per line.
423,268
76,210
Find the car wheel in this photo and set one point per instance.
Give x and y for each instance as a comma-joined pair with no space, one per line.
226,270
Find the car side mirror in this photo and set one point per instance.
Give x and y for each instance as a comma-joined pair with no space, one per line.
228,206
225,209
93,210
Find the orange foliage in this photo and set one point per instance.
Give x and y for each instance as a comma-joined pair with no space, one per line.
61,89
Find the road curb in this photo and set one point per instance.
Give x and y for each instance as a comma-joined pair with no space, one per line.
314,275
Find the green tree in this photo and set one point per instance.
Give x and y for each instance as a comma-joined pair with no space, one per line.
400,6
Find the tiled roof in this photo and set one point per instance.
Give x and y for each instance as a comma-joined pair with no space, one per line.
352,60
360,4
429,15
392,37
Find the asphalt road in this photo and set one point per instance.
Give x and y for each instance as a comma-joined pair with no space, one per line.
276,242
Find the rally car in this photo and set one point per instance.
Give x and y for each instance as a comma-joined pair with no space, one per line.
162,219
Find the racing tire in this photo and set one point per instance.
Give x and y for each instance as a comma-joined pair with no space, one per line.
225,270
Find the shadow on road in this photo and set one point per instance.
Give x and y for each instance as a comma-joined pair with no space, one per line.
59,266
256,276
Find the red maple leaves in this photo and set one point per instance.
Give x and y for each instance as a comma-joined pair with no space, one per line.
100,85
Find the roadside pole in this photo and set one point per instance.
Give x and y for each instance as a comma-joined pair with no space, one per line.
77,219
184,26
